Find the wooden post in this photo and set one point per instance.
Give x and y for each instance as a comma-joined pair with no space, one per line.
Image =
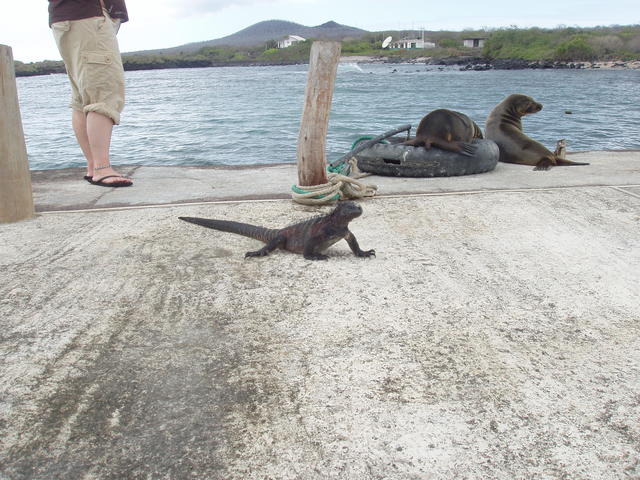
323,65
16,197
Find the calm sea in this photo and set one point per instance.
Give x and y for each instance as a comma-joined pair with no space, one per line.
251,115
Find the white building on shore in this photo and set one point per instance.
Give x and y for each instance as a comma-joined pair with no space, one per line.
412,43
473,42
290,40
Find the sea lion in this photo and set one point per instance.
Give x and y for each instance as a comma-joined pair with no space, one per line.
504,126
448,130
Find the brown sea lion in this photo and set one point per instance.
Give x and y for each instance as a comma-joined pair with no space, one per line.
504,126
448,130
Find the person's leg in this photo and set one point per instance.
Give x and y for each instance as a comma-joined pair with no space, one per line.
79,122
93,132
99,128
97,84
103,89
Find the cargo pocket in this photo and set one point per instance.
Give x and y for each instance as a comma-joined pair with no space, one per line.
96,76
99,58
102,83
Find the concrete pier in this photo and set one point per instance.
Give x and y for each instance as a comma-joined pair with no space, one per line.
496,334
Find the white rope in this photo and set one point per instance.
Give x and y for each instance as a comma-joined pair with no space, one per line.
355,172
338,188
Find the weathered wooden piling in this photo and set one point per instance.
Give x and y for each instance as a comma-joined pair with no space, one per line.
16,196
311,155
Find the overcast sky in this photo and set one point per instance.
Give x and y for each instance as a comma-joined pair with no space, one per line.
169,23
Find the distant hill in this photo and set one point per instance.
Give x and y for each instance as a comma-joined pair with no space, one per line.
263,32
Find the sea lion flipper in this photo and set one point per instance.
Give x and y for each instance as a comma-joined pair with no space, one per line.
414,142
563,162
544,165
467,149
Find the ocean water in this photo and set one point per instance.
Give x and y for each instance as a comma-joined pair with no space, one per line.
251,115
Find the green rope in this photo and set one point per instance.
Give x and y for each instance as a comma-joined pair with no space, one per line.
364,138
306,193
342,169
337,187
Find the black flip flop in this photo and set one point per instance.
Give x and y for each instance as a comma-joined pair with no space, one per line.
88,178
100,182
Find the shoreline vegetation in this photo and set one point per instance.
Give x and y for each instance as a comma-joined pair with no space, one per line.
615,47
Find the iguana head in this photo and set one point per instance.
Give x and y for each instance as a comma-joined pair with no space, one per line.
347,210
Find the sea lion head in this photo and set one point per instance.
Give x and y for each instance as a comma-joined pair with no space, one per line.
521,105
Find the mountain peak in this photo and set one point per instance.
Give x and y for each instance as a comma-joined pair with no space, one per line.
267,30
330,24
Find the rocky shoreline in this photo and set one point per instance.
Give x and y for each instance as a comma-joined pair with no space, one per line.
464,63
480,63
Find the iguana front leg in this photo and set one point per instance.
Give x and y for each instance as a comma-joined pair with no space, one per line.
355,248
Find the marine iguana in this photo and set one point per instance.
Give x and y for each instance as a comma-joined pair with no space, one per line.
309,237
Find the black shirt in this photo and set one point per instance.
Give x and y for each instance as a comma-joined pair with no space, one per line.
61,10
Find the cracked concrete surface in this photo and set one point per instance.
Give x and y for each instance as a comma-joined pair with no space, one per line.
495,336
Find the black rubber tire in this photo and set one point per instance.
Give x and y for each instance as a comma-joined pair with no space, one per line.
406,161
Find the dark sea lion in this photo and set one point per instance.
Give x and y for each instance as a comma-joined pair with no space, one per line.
504,126
448,130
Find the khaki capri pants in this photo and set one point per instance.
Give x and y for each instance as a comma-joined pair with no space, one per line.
90,51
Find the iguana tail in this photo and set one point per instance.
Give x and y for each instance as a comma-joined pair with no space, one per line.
245,229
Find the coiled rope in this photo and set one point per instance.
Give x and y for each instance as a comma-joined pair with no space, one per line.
342,175
339,187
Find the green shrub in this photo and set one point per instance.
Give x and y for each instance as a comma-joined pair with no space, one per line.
529,44
575,49
449,43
